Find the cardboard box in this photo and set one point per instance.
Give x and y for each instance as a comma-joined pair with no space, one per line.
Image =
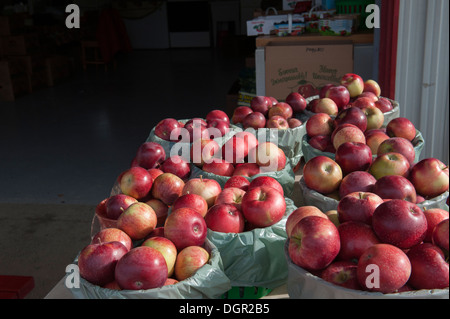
265,24
315,64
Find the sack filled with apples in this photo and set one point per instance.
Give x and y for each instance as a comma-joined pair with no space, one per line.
368,248
275,119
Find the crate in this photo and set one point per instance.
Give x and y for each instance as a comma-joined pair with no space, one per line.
354,7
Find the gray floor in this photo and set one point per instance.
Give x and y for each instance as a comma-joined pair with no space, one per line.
63,147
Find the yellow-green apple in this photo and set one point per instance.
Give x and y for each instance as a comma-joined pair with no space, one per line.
234,150
319,124
384,105
363,102
269,157
429,267
383,268
322,143
189,261
430,177
358,207
399,223
263,206
240,113
178,166
356,238
230,195
374,138
261,104
167,187
357,181
353,156
166,248
209,189
296,101
138,220
440,235
266,181
246,169
203,150
166,129
161,210
185,227
225,218
281,109
314,243
352,115
354,84
254,120
339,94
112,234
217,115
278,122
194,201
237,181
375,118
294,122
372,86
389,164
333,216
300,213
219,167
141,268
135,182
97,262
342,273
395,187
217,128
434,217
347,133
322,174
401,127
398,145
116,204
325,105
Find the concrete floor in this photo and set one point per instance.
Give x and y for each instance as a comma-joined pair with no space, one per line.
63,147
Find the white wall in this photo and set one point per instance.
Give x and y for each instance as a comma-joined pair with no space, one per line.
422,77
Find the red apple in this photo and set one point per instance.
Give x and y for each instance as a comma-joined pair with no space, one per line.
166,248
247,169
325,105
390,164
294,122
225,218
240,113
197,129
230,195
401,127
209,189
150,155
354,84
266,181
170,281
322,174
383,268
300,213
141,268
358,207
372,86
429,268
203,150
168,129
107,235
217,115
398,145
319,124
161,210
189,261
347,133
155,172
352,115
237,181
395,187
269,157
219,167
375,118
193,201
217,128
356,238
234,150
278,122
440,235
339,94
116,204
324,89
178,166
399,223
374,139
342,273
281,109
353,156
322,143
263,206
137,221
358,181
135,182
296,101
314,243
254,120
369,95
362,102
97,262
185,227
249,138
434,216
261,104
167,187
430,177
384,105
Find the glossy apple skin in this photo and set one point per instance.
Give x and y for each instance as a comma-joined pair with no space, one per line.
356,238
266,181
141,268
185,227
390,164
209,189
161,210
217,115
322,143
254,120
314,243
138,220
434,217
322,174
281,109
225,218
393,264
235,150
374,138
358,207
294,122
353,156
269,157
357,181
217,128
247,169
398,145
430,177
189,260
342,273
375,118
261,104
372,86
117,204
347,133
401,127
219,167
178,166
354,84
194,201
395,187
237,181
325,105
429,268
300,213
399,223
278,122
230,195
263,206
166,248
319,124
240,113
440,235
167,187
135,182
296,101
384,105
112,234
166,129
203,150
339,94
352,115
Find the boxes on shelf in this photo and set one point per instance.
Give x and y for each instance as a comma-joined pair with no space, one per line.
264,25
344,24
